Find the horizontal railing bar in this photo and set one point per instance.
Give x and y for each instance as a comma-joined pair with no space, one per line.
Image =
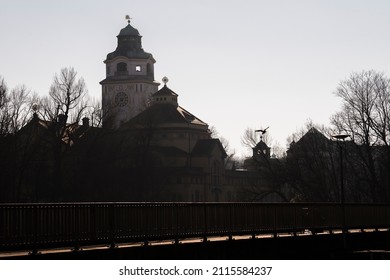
52,224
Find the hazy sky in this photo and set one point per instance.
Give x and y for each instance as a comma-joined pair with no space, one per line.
235,64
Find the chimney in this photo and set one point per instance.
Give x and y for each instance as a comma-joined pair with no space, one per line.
62,119
85,122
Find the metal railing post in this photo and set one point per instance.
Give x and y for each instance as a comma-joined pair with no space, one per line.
205,222
34,250
111,221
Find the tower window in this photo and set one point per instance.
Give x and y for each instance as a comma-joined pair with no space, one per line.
121,68
138,68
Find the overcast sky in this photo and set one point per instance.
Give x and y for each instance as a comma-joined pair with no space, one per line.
235,64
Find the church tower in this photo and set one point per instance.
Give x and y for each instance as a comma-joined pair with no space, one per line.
129,81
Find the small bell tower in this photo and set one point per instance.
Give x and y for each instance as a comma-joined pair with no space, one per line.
261,151
129,81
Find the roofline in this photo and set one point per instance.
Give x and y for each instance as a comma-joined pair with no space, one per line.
193,115
136,35
171,127
126,58
126,81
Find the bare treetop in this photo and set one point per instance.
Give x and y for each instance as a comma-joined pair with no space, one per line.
67,91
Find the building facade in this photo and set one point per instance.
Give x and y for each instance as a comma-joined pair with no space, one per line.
149,148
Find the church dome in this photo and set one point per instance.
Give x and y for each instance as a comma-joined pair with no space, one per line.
128,31
165,96
129,45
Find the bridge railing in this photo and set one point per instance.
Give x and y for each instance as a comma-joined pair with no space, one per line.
73,224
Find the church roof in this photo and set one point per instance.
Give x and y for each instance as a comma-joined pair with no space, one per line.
261,145
129,31
204,147
170,151
313,138
158,114
164,113
133,53
129,45
165,91
313,135
165,95
73,132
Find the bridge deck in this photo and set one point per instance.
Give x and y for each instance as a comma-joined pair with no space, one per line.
37,227
362,244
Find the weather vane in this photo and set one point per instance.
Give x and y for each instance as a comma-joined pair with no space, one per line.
263,131
165,80
128,18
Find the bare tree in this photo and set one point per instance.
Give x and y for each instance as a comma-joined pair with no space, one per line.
65,106
365,117
362,95
3,91
15,107
40,163
68,94
95,112
4,114
47,109
21,106
249,138
381,120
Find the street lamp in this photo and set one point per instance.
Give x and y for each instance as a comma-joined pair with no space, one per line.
342,137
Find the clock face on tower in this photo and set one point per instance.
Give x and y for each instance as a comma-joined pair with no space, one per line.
121,99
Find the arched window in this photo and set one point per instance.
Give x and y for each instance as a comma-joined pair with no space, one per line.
121,68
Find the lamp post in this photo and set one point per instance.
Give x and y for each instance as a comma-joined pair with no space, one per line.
342,137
